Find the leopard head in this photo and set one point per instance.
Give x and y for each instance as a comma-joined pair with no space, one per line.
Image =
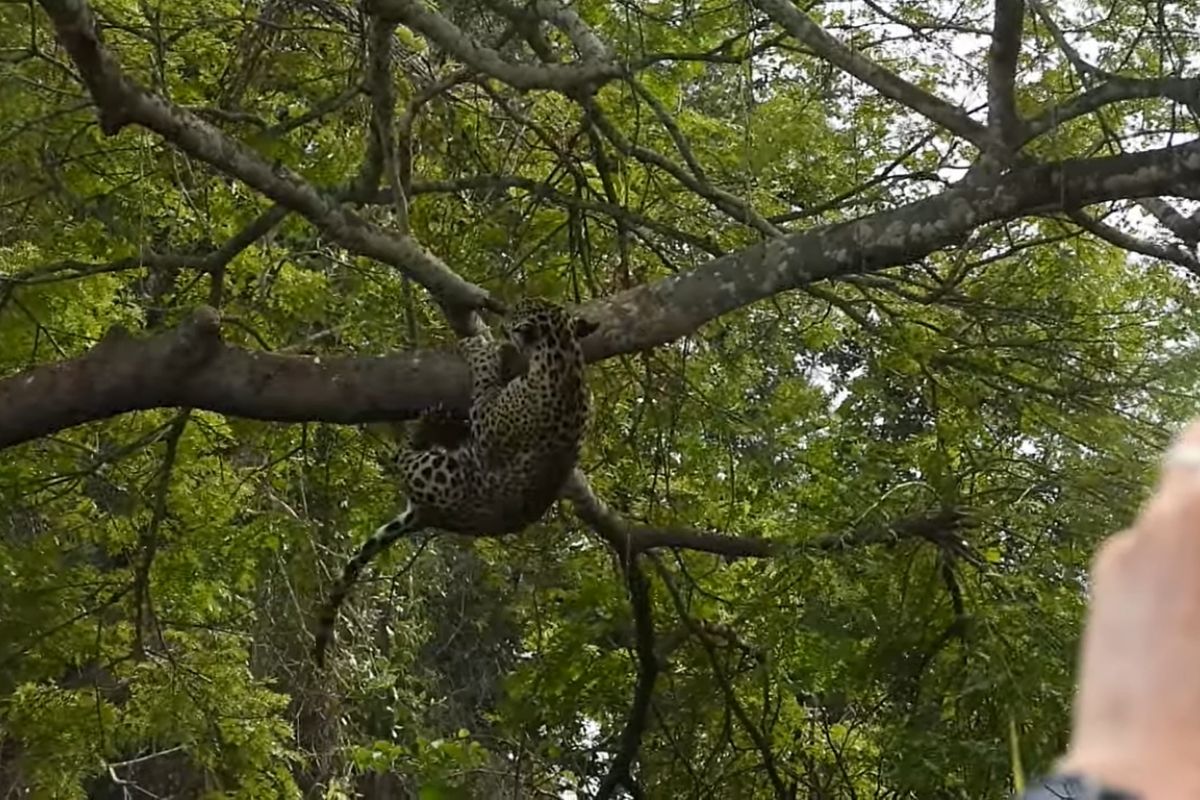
540,323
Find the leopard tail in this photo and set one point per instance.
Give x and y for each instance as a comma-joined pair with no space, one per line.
383,538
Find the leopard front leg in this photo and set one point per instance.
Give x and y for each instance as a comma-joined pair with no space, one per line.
485,360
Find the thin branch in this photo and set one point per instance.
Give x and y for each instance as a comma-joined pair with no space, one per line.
917,28
1172,253
716,54
882,176
111,600
213,263
217,262
382,90
545,191
761,743
724,201
228,116
619,769
316,112
668,122
149,538
629,540
73,270
1077,61
883,80
122,102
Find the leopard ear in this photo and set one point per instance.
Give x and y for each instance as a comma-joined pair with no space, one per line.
584,327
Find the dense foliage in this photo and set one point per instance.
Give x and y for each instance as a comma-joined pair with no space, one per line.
159,570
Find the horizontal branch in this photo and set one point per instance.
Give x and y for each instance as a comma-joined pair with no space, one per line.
191,366
941,528
211,262
72,269
351,390
121,102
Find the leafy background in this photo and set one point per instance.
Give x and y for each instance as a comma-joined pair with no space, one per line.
160,569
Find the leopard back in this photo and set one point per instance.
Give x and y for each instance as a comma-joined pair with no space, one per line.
545,411
526,433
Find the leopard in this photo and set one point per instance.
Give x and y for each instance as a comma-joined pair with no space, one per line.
498,468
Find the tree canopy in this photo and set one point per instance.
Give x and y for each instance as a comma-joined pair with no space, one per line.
896,304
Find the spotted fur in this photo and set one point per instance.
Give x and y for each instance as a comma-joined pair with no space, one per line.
500,468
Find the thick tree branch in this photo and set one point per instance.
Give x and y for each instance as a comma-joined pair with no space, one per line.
139,375
583,77
1002,69
883,80
106,380
663,311
567,20
121,102
191,366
